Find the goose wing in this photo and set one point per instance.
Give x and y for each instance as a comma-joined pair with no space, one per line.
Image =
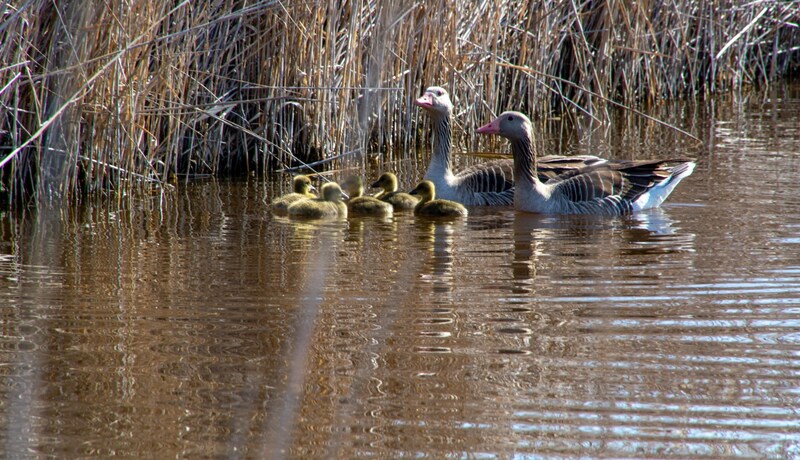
552,166
625,180
495,176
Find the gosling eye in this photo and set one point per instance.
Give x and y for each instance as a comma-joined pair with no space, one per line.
511,118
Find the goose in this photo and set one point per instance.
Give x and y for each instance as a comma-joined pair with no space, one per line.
387,182
490,183
328,205
362,205
429,206
485,184
611,188
301,186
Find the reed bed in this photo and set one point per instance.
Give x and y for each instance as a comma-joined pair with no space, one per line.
103,99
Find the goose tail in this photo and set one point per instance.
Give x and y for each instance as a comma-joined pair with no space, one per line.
656,195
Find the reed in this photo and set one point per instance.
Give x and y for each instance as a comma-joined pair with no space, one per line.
103,98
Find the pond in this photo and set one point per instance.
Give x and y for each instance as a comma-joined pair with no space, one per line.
206,327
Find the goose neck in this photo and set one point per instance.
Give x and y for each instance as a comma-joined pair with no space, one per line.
442,138
524,160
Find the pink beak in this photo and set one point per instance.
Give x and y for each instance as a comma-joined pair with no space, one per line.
425,101
490,128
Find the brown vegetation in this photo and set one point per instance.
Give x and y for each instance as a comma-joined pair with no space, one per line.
102,97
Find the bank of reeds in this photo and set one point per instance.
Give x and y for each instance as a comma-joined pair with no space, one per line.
106,97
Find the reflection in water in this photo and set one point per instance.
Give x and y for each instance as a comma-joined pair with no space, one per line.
211,328
436,236
316,246
527,251
537,238
23,361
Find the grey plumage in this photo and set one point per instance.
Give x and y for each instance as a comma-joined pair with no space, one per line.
602,187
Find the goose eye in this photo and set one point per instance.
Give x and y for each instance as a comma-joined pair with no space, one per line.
510,117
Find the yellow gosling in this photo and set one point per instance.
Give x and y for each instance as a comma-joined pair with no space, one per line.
388,185
328,205
301,186
429,206
361,205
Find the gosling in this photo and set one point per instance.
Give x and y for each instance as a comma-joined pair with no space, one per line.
328,205
301,186
399,200
429,206
361,205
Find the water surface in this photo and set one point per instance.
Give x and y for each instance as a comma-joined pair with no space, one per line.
210,328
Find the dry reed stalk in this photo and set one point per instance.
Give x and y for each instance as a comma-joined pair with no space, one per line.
101,99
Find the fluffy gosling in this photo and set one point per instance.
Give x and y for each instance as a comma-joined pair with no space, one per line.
328,205
429,206
387,182
361,205
301,190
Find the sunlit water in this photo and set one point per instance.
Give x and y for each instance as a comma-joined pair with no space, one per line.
211,328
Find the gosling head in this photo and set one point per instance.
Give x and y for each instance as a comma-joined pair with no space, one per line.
426,191
331,192
387,181
353,186
511,125
301,184
435,101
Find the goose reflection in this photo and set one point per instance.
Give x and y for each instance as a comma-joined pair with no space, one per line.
527,250
654,231
538,238
655,221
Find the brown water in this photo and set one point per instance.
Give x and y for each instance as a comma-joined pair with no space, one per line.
210,328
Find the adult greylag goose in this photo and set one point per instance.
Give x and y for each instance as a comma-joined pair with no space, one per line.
361,205
429,206
387,182
611,188
489,183
484,184
329,204
301,190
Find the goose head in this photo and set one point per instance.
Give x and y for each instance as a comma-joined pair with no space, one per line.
511,125
331,192
426,191
435,101
387,182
